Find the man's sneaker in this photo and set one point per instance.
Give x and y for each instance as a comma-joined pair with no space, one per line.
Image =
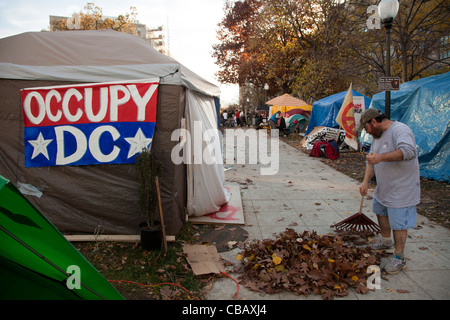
381,246
395,265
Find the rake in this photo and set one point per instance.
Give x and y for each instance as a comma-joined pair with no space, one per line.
357,222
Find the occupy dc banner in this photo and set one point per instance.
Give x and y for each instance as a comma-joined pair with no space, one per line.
88,124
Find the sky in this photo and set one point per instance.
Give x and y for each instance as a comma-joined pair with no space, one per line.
191,26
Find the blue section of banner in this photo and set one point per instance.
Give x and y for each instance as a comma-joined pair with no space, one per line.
86,144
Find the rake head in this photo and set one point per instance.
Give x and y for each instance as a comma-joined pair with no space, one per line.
357,222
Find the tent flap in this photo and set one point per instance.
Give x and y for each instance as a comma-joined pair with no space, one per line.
206,178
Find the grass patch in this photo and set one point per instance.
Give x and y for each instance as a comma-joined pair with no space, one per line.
147,275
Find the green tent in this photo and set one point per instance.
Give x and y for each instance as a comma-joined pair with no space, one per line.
301,120
36,261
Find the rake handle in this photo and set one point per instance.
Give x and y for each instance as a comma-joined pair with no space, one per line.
361,205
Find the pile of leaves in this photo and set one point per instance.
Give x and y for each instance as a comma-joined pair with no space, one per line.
306,263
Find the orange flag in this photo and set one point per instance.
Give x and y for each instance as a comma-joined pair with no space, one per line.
346,117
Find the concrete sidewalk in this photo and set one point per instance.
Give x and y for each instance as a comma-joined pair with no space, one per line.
315,196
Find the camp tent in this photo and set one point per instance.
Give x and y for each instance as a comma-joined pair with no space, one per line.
424,105
288,105
81,199
325,111
301,120
36,261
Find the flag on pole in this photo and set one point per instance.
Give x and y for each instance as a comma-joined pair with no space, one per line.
346,117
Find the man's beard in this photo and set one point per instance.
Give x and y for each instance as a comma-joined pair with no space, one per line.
376,133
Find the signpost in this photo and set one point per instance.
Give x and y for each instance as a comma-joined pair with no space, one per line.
389,83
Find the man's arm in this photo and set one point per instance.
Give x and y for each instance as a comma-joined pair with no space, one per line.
374,158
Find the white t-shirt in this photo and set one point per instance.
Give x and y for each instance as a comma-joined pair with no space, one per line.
398,182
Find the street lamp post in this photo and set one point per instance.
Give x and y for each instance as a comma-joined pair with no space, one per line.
387,10
266,89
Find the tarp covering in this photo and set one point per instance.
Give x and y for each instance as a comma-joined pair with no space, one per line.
325,111
36,261
424,105
80,199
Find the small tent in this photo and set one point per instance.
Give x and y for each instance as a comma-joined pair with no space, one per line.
37,262
295,119
79,199
325,111
424,105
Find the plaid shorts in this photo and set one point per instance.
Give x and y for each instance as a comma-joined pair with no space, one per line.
399,218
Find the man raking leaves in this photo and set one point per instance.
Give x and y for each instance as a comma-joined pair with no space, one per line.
393,161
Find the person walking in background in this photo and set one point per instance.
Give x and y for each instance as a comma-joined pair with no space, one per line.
225,118
273,121
394,162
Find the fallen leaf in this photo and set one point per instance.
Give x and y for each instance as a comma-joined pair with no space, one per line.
279,268
402,291
276,259
231,244
362,289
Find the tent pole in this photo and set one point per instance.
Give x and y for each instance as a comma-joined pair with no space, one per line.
161,217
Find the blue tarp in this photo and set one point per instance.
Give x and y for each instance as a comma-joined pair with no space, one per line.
325,111
424,105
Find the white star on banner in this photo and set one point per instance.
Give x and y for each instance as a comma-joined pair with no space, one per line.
137,143
40,146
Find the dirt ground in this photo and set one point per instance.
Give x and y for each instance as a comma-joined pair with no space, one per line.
435,195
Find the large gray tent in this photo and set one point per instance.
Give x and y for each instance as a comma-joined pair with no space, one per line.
81,199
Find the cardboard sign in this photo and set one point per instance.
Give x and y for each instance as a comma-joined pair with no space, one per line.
88,124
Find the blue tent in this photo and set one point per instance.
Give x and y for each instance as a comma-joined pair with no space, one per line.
325,111
424,105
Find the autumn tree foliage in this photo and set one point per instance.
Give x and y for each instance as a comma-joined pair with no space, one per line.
233,53
93,19
314,48
420,39
420,29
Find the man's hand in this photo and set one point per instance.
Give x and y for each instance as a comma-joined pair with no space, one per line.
373,158
363,188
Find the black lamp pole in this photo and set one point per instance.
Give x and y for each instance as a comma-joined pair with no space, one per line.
388,25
